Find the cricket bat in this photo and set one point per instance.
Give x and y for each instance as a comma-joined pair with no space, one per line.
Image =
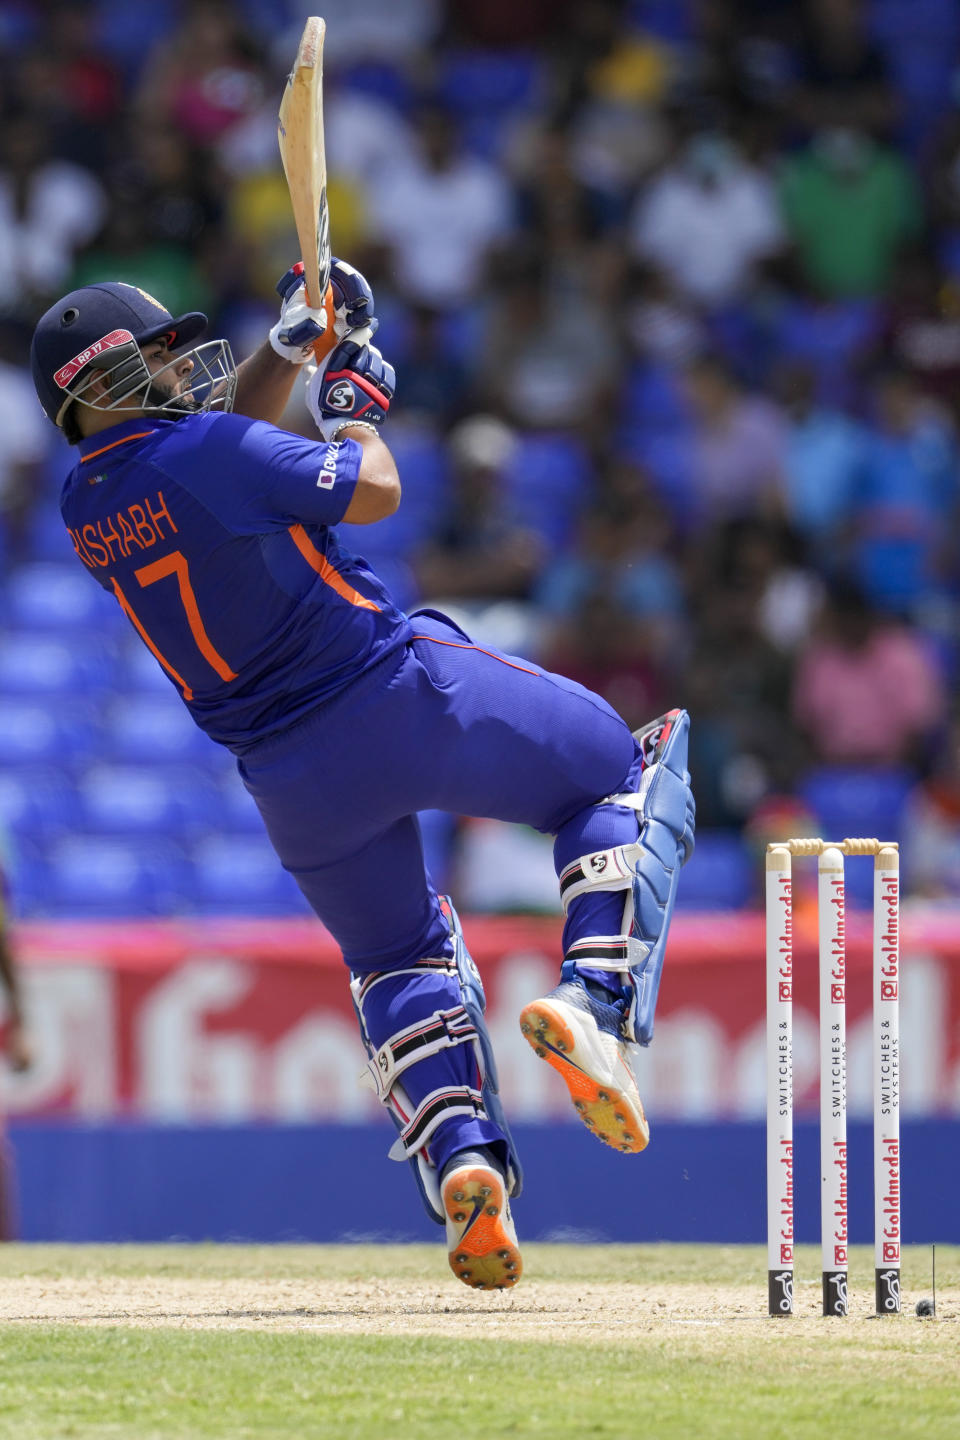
300,132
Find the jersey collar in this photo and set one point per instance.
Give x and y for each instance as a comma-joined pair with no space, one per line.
117,436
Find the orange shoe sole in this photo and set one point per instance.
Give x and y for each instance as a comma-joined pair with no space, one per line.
609,1113
486,1257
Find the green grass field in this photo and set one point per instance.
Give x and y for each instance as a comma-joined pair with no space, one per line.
380,1341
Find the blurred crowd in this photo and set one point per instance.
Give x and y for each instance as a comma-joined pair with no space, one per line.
672,288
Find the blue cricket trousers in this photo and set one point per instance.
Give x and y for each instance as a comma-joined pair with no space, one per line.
447,726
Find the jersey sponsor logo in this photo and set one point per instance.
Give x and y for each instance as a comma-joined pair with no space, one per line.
341,397
67,372
328,470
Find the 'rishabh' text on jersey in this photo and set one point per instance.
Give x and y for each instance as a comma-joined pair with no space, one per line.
212,532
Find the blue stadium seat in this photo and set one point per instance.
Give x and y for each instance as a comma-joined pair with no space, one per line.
486,90
29,884
422,463
668,456
653,399
854,800
398,577
849,801
89,876
128,38
47,537
671,20
141,729
138,669
382,81
898,21
236,812
719,875
240,874
920,39
548,482
483,82
37,803
485,133
948,252
41,664
156,800
52,733
830,337
464,330
42,595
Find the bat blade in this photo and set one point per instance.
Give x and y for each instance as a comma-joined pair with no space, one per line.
300,133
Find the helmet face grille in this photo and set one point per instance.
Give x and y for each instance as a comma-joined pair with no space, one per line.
121,374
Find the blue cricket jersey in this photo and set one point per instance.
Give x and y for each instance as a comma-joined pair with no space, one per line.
213,534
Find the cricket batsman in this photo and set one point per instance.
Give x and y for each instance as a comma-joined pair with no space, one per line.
215,531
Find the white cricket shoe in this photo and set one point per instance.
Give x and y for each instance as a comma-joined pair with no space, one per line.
481,1237
582,1039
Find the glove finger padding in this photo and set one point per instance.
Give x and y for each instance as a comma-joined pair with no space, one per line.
301,324
352,299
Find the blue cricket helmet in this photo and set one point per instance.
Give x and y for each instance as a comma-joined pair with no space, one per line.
99,326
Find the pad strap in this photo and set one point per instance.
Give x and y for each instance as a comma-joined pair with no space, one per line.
426,1037
608,952
632,801
603,870
433,1109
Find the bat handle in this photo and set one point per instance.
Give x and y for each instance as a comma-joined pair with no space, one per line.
327,341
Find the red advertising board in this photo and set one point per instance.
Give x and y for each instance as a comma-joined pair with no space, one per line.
241,1020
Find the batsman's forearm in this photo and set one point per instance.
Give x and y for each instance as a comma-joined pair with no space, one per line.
264,383
378,485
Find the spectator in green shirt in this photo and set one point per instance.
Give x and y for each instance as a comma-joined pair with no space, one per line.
850,205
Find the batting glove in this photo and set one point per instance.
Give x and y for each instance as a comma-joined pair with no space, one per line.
356,384
301,324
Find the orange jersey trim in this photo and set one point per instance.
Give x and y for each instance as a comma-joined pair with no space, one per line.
131,616
325,570
176,564
462,645
142,435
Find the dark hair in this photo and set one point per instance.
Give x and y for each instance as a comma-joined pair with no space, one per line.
71,427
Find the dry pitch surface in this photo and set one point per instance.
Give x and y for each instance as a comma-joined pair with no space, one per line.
332,1295
372,1340
569,1292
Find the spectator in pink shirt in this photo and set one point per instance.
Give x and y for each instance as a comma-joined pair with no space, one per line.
866,690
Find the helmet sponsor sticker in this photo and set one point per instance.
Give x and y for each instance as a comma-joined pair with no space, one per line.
68,372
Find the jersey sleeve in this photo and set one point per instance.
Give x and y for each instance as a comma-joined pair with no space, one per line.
256,477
